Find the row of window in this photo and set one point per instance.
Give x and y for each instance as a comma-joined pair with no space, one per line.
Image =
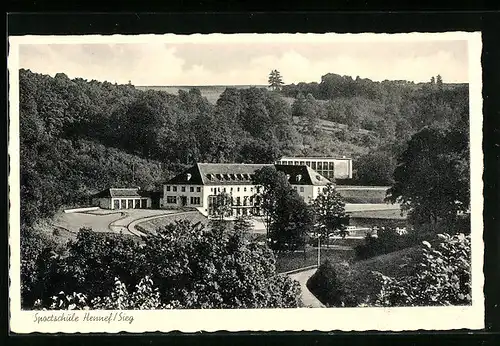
192,200
327,166
183,188
218,189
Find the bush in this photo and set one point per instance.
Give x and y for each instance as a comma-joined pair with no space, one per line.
34,246
443,278
339,285
192,267
387,240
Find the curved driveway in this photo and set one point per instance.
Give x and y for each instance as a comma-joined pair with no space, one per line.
308,299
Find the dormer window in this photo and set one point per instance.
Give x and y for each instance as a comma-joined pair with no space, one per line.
298,177
210,176
318,177
188,176
288,177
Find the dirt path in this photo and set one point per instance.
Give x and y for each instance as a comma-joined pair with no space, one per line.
308,299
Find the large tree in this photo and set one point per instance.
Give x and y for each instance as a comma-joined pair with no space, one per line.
223,205
287,216
191,266
275,81
329,213
432,176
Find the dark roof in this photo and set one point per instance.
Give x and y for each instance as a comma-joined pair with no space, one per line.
242,174
302,175
122,192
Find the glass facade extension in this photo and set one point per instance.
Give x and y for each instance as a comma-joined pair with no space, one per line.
329,168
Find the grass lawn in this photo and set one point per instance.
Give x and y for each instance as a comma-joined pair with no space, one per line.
393,264
295,260
152,225
74,221
359,194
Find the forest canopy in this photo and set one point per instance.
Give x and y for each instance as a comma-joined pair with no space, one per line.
78,136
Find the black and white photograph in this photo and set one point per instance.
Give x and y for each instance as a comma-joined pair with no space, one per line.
245,182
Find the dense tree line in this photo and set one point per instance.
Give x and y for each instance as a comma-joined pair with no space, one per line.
181,265
375,119
80,136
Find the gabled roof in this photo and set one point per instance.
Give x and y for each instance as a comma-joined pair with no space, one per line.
121,192
242,174
302,175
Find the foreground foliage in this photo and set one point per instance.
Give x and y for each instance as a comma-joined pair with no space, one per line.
180,266
440,276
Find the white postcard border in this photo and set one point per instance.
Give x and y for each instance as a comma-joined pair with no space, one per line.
306,319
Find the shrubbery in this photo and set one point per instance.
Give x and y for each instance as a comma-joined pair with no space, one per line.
388,240
190,266
338,285
441,276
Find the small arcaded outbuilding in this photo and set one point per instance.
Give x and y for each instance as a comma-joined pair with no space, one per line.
123,198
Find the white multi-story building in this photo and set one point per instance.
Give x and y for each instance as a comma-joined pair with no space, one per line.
329,167
199,185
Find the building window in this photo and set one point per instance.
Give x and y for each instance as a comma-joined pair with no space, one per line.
295,163
183,189
191,189
171,199
195,200
313,165
168,187
224,189
238,189
198,189
251,189
245,189
308,163
174,188
231,189
302,189
295,187
302,163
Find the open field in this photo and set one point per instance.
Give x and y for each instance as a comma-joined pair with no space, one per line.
211,92
386,214
362,194
393,264
151,225
98,222
294,260
103,220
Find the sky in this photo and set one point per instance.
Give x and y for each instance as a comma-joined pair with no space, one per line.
249,63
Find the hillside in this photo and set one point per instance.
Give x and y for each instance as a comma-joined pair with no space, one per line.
210,92
80,136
